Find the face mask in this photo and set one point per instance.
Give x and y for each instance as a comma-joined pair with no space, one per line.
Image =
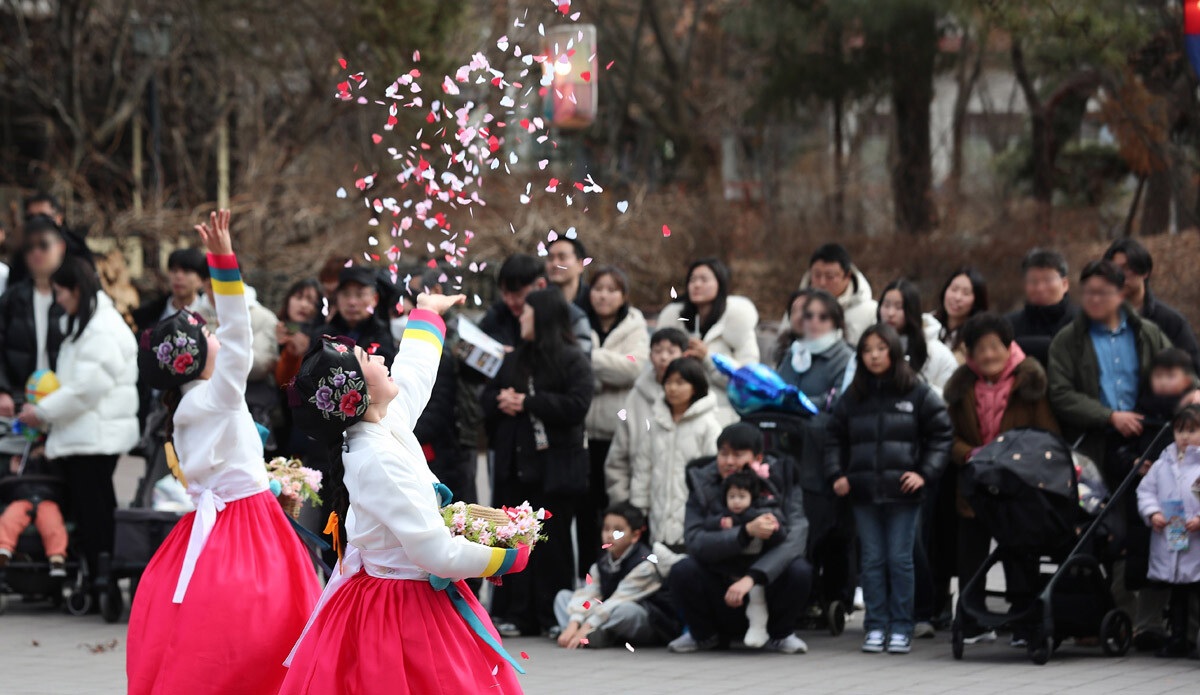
803,350
397,324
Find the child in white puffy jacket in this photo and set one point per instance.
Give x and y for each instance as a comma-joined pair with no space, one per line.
1168,504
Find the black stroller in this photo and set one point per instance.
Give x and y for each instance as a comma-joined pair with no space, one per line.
830,520
1025,489
28,573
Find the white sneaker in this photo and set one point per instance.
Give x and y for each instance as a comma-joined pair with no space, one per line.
686,644
899,644
873,644
788,645
923,629
987,636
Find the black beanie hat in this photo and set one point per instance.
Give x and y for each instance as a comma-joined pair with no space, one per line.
329,393
173,351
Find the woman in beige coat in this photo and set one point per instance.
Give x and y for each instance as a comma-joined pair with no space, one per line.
717,323
620,348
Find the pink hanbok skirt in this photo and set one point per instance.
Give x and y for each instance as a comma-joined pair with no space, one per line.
248,600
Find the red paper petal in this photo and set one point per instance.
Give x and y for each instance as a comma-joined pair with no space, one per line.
666,230
587,76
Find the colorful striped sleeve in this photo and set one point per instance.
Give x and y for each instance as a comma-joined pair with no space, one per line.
228,383
505,560
414,370
427,327
226,278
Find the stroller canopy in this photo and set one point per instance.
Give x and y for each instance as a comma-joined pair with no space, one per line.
1040,459
1023,488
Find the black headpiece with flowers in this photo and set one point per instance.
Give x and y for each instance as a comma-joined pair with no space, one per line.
173,351
329,393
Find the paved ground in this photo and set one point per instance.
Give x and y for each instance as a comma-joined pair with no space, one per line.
48,653
45,652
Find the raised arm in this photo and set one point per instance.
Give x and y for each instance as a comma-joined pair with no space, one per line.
416,365
234,359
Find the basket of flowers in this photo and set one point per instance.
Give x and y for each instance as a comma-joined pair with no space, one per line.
506,527
293,484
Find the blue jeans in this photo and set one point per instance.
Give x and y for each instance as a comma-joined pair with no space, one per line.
887,533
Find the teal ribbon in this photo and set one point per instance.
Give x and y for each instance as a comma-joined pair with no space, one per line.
445,496
473,620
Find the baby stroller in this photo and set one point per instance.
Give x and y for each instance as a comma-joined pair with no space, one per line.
1024,488
831,537
138,530
28,573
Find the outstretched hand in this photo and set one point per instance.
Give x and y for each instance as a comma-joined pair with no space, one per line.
439,303
215,233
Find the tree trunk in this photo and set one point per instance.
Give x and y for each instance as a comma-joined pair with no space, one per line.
1156,210
913,48
839,165
966,80
1040,134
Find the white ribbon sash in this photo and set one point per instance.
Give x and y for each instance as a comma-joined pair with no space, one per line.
208,503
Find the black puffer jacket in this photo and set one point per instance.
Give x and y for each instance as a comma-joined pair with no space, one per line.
875,440
18,338
561,400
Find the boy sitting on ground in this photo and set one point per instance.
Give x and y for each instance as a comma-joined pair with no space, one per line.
621,601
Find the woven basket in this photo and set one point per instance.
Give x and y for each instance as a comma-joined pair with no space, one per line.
291,506
478,511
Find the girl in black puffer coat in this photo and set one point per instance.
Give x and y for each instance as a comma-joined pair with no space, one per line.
889,435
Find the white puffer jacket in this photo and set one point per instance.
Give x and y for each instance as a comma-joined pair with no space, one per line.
858,306
616,365
672,446
94,410
733,335
629,451
941,363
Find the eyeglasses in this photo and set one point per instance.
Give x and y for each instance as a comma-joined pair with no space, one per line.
809,316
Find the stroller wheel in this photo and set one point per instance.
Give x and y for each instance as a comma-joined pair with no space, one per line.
1040,650
79,602
112,604
835,614
1116,633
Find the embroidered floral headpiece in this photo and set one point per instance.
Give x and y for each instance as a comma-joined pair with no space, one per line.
174,351
329,393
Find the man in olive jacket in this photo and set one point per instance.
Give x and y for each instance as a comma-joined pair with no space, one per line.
711,606
1098,364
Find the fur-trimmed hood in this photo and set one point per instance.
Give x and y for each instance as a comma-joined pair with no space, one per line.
1029,382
